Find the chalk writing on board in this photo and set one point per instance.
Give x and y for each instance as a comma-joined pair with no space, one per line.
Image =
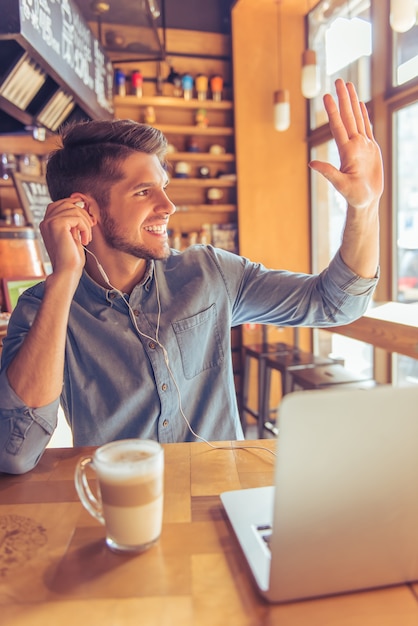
58,32
34,197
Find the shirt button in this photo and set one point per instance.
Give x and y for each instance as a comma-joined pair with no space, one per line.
165,423
136,312
151,345
164,387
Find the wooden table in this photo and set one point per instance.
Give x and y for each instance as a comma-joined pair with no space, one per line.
392,326
56,571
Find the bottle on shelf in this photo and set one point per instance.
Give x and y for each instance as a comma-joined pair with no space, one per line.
8,164
201,83
174,79
187,85
216,86
120,82
136,83
29,164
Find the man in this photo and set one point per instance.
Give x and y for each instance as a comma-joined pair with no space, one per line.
133,338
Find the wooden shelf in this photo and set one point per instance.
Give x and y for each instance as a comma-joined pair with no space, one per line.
173,103
179,129
206,208
205,157
202,182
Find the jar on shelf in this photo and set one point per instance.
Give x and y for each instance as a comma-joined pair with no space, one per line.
192,238
182,170
176,242
201,118
149,115
120,82
187,86
216,86
214,195
29,164
203,171
19,217
136,83
201,83
216,149
8,164
204,235
44,161
192,145
7,216
174,79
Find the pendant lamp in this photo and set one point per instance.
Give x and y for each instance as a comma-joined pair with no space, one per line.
310,77
281,102
403,15
310,81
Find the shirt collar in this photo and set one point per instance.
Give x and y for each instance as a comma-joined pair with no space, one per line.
101,292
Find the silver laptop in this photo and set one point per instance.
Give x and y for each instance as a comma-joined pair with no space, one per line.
343,514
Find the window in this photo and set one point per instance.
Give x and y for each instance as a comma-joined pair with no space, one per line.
405,206
405,61
328,217
396,98
341,35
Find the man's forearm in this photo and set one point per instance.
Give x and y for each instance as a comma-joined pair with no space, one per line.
360,244
36,372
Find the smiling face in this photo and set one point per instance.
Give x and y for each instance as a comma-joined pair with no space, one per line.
136,217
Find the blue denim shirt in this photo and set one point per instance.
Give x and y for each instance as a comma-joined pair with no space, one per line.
118,383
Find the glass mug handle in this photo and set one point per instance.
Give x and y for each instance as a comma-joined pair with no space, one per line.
88,499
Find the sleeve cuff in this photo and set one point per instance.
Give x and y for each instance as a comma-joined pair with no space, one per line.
348,281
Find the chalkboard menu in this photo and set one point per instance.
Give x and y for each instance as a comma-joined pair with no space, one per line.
34,198
56,35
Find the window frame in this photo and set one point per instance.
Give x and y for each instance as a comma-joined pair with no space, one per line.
386,100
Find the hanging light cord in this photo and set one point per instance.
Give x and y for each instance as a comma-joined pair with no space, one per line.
279,43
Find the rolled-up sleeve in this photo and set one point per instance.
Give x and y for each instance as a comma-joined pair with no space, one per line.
24,431
335,296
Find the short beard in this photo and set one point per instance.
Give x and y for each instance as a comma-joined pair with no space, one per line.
117,241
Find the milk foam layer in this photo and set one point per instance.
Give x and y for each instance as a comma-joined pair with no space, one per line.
120,461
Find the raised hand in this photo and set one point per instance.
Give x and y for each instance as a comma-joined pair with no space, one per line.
360,177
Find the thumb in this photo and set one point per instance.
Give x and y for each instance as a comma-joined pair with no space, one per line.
327,170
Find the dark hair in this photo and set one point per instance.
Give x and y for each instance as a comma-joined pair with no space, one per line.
91,153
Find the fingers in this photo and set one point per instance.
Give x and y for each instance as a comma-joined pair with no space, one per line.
350,118
67,215
350,110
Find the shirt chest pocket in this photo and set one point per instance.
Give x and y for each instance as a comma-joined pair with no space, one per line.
199,342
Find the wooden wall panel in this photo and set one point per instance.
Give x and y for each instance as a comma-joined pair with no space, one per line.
272,166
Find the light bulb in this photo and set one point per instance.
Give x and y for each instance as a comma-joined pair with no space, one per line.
403,15
310,79
281,110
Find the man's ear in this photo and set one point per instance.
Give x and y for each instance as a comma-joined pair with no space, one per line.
89,204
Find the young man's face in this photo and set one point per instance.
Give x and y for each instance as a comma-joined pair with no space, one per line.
135,220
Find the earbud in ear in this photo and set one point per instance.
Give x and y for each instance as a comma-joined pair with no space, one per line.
80,203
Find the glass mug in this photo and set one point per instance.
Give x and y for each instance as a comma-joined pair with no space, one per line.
130,477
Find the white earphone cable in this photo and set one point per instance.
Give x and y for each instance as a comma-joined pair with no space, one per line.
156,339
